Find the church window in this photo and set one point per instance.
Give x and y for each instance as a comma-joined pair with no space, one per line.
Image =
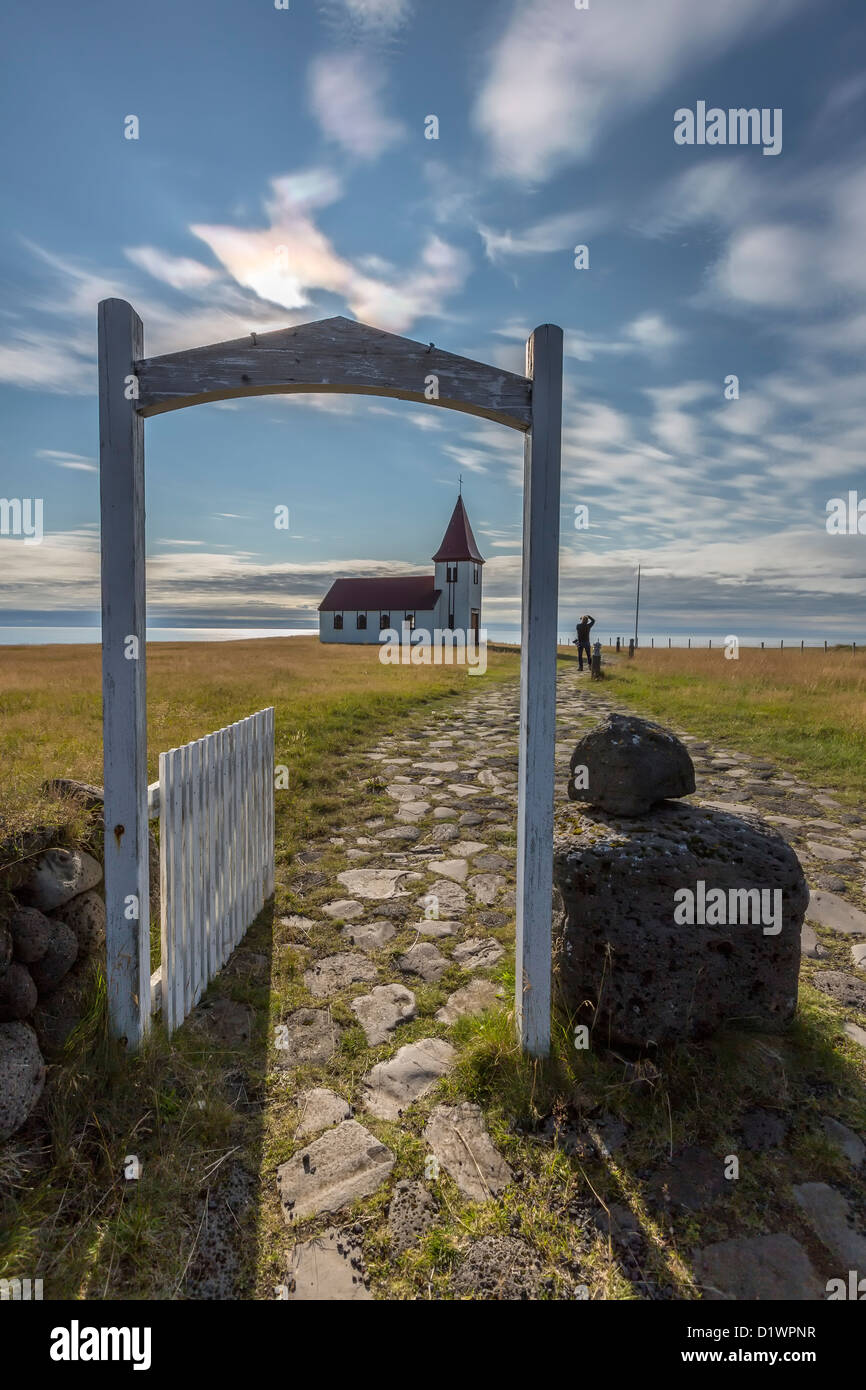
476,574
361,620
338,622
384,621
451,574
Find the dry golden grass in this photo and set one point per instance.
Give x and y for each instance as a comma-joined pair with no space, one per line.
805,709
51,706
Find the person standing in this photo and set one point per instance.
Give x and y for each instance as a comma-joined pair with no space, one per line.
582,640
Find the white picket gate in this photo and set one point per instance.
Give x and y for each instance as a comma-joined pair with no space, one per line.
215,799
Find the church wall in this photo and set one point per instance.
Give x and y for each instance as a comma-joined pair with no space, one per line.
353,636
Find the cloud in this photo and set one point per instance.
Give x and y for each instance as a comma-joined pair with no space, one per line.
648,333
345,94
44,360
764,266
557,233
62,459
559,78
180,272
375,16
794,246
652,332
292,258
722,191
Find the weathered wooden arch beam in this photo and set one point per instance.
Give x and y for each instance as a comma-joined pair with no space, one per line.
333,355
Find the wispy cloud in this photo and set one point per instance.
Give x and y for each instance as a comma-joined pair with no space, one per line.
586,70
370,16
62,459
556,233
181,272
346,98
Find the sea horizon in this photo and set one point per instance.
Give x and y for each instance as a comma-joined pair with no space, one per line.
84,634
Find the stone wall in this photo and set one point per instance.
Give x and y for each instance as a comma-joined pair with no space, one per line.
52,938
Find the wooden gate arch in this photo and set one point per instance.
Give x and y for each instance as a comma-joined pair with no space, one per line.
334,355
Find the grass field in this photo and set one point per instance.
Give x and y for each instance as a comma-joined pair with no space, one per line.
806,710
326,698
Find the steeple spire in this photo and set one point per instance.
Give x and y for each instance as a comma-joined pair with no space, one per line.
458,543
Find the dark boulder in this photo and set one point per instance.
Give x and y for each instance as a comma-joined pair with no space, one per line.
676,924
630,764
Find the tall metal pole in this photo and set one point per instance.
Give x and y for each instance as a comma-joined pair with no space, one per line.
637,606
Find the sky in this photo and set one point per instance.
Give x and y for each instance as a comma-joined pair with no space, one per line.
283,173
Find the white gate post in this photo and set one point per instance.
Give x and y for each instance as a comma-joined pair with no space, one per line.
124,726
540,589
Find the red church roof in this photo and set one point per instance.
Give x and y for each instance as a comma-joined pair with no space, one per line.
458,543
414,593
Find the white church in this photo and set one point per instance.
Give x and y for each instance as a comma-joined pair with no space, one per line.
358,610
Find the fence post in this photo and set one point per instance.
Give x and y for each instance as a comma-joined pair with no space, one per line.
825,644
669,644
124,715
631,646
618,641
595,665
536,764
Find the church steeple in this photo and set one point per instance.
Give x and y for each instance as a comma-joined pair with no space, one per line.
458,543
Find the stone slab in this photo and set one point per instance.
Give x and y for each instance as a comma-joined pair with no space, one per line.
423,959
474,998
411,1214
443,899
458,1137
390,1087
834,912
455,869
333,973
830,1216
486,887
370,936
337,1169
383,1010
374,883
320,1109
308,1036
327,1269
344,909
757,1269
478,953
